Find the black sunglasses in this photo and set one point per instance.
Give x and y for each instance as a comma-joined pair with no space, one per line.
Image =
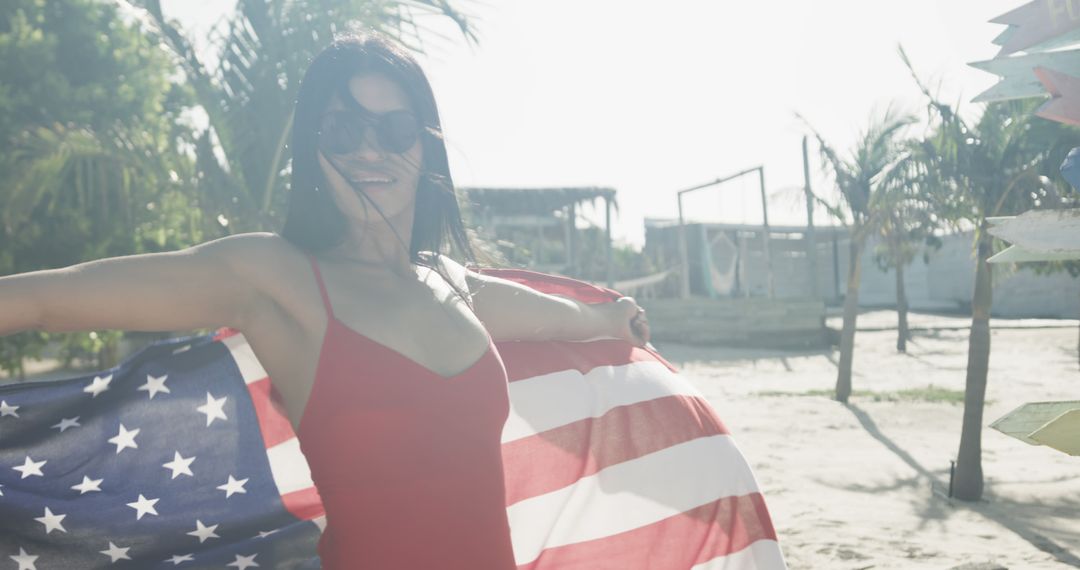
343,132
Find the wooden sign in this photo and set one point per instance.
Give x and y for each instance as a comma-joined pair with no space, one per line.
1061,433
1042,24
1055,424
1017,254
1018,79
1064,103
1041,231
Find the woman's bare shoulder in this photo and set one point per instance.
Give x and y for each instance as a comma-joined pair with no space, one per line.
257,248
264,257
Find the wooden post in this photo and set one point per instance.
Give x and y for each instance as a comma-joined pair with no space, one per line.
836,264
571,239
682,223
684,256
607,231
706,262
539,244
811,241
768,253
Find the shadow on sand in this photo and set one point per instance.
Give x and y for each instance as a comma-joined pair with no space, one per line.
1027,520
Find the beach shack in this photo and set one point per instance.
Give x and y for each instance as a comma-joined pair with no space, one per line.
538,228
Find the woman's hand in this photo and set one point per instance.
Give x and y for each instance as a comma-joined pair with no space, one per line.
627,321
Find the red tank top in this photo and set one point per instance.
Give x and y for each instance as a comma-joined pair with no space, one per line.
408,462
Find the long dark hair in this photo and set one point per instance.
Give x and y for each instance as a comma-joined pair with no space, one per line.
313,221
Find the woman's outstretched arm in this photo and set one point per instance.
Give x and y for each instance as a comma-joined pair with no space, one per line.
511,311
204,286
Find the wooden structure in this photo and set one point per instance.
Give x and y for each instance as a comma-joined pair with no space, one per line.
1039,24
729,260
684,260
757,322
1038,28
535,215
1038,235
1041,235
1053,424
729,302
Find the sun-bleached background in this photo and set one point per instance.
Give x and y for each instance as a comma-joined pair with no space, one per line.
651,98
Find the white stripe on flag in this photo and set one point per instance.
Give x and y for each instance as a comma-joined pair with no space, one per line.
289,467
551,400
614,500
250,368
761,555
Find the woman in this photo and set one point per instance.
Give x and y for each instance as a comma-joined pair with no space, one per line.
381,349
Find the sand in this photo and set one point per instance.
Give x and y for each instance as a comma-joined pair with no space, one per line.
864,486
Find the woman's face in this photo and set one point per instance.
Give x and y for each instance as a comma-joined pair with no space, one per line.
388,177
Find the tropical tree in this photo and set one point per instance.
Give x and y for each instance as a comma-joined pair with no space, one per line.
102,155
262,51
1000,164
908,227
864,180
89,121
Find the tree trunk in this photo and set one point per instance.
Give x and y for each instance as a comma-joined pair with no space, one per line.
901,299
968,480
851,313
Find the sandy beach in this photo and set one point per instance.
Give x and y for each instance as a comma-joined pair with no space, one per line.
865,486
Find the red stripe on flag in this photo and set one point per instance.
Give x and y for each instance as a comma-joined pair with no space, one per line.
567,287
720,528
556,285
525,359
559,457
304,504
273,423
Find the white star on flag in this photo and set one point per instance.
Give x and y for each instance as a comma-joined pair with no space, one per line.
124,439
30,467
266,533
233,486
1,492
203,532
115,553
25,561
180,465
88,485
243,562
51,521
176,559
6,410
154,385
143,506
67,423
213,408
99,385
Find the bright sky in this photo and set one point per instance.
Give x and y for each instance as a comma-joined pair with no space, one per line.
651,98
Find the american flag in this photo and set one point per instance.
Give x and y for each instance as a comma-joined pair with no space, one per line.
182,457
175,458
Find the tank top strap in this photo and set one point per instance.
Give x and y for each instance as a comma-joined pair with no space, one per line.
322,286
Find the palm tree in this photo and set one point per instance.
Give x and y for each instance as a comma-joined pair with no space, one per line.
999,165
863,180
264,48
908,226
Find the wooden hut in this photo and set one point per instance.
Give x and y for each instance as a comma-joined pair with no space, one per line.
533,217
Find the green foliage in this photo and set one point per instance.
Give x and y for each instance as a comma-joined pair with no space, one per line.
264,47
91,125
101,155
868,177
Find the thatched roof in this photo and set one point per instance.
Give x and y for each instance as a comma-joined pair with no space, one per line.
533,201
